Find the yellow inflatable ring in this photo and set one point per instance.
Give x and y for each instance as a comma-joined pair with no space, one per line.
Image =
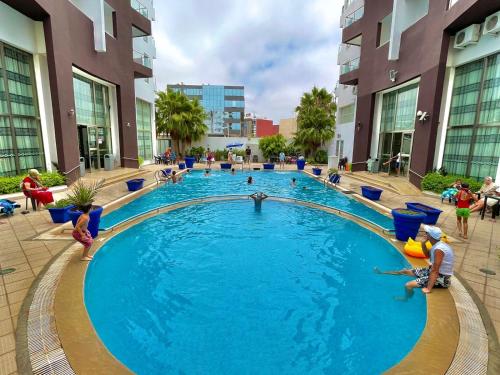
414,248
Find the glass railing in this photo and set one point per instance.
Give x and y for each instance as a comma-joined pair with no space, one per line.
354,16
349,66
139,7
143,59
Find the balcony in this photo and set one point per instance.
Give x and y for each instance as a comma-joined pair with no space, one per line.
139,7
354,16
141,23
349,72
143,65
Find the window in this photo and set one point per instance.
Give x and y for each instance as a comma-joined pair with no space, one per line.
91,102
144,133
234,103
399,108
472,145
384,30
20,133
346,114
109,20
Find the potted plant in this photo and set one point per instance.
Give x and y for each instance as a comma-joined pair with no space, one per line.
135,184
268,166
317,171
432,214
371,192
83,194
407,223
301,163
190,160
59,211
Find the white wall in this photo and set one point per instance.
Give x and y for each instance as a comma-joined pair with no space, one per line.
94,9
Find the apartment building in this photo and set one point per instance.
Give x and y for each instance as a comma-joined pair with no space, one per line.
70,72
427,85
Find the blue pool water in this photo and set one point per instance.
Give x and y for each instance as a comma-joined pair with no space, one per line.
196,185
219,288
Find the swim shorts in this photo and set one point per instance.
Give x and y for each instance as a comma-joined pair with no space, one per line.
422,274
463,212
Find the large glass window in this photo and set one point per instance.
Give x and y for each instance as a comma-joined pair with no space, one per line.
144,133
20,134
473,138
399,108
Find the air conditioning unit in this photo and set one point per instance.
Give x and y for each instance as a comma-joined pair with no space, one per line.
492,24
467,36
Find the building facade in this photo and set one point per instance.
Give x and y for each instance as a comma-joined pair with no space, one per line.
224,105
265,127
427,85
68,81
288,127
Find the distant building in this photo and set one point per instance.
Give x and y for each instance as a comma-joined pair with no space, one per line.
266,127
288,127
225,106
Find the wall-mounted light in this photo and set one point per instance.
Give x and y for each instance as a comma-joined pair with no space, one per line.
71,112
359,126
393,74
422,116
127,124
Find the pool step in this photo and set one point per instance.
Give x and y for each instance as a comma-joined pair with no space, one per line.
398,185
118,175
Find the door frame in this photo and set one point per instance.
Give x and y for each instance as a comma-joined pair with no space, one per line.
381,147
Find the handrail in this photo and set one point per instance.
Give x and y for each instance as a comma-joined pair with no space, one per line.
354,16
71,170
412,171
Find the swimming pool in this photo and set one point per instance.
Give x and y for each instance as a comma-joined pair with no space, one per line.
196,185
218,288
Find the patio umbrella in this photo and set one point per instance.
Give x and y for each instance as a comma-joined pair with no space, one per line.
231,145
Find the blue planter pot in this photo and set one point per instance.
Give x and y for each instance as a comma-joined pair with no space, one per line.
431,212
135,184
317,171
371,193
189,161
60,215
225,165
182,166
268,166
95,219
301,164
407,223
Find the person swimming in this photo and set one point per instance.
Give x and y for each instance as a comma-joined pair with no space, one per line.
207,173
250,180
233,171
294,182
258,198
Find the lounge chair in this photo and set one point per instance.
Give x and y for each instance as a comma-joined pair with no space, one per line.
238,159
7,206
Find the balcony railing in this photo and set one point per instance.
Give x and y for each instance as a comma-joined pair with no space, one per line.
354,16
139,7
349,66
143,59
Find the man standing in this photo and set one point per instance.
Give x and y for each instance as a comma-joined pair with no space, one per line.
438,274
248,156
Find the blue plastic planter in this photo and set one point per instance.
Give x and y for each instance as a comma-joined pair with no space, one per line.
301,164
407,223
268,166
135,184
189,161
60,215
317,171
95,219
182,166
371,193
431,212
225,165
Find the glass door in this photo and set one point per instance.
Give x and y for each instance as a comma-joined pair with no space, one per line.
385,153
340,149
406,153
93,149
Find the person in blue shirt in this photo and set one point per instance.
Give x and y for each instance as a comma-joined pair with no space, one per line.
282,160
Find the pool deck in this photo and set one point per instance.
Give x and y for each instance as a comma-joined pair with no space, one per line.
29,257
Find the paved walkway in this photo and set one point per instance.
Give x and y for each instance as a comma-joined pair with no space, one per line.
28,257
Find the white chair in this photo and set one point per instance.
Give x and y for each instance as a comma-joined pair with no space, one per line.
239,159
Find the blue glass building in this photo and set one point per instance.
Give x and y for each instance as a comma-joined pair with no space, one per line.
224,105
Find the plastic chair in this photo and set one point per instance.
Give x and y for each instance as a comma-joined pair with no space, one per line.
27,194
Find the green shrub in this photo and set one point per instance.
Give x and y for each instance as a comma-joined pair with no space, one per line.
437,183
220,155
10,185
321,157
272,145
61,203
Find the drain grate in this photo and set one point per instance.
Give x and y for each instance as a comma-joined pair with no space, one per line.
487,271
6,271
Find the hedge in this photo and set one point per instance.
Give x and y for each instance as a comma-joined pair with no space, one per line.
12,184
437,183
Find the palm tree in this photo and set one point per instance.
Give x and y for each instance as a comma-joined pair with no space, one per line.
315,120
183,118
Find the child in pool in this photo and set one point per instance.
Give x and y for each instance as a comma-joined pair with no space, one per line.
82,234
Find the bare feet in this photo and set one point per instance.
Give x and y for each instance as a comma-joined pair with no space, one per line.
86,259
465,236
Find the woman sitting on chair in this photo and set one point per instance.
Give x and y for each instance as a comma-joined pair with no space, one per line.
33,188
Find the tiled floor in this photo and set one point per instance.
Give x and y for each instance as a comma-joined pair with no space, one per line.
28,257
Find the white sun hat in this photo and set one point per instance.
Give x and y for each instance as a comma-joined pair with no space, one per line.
434,232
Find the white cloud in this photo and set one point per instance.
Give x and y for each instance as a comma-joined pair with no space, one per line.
278,49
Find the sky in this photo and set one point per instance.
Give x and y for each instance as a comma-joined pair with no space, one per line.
277,49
